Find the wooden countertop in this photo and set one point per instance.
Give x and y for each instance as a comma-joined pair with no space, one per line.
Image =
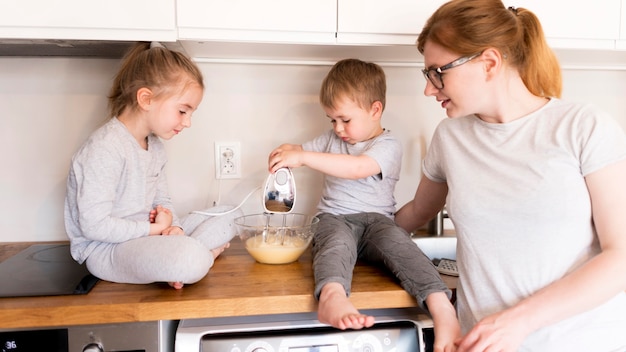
235,286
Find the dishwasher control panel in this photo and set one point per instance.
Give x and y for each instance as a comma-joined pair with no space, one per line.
384,337
280,334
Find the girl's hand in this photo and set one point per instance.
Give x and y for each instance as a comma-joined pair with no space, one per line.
173,230
162,220
152,215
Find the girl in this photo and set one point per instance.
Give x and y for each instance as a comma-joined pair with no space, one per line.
118,213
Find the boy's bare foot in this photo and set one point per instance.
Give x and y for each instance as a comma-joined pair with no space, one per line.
176,285
219,250
446,324
336,309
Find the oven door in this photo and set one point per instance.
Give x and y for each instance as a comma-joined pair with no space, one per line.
151,336
395,330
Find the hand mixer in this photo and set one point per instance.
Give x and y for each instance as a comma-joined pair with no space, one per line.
279,194
279,197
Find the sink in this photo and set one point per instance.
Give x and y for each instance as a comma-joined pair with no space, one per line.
437,247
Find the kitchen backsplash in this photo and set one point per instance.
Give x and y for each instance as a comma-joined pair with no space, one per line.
50,105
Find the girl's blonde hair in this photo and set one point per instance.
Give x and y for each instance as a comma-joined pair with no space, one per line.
157,68
362,82
467,27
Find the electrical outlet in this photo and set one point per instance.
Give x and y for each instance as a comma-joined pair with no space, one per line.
227,160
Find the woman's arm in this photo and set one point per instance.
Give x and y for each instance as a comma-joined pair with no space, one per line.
594,283
429,199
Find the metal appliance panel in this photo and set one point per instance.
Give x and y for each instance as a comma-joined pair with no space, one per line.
153,336
396,330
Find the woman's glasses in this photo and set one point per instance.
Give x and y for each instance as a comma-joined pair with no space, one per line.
434,74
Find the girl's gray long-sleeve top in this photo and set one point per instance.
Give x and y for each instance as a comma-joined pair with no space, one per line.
112,186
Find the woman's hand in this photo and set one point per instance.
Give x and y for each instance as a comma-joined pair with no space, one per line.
497,332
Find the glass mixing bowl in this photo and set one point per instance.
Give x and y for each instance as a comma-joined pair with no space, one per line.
276,238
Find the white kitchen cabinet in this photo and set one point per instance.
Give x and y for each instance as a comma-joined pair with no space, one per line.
88,20
623,25
389,22
289,21
567,24
577,24
621,44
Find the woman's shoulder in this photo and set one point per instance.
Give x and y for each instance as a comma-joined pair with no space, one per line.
451,125
577,113
569,107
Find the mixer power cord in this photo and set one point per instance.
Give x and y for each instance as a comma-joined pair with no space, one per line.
229,211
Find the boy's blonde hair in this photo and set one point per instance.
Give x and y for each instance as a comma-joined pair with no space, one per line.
362,82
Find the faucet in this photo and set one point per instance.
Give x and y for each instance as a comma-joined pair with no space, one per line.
435,226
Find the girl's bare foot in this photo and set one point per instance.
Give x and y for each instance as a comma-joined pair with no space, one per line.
216,252
176,285
336,309
219,250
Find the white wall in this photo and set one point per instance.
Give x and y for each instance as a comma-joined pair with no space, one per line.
50,105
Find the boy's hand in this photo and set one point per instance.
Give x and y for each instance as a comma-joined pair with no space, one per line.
286,155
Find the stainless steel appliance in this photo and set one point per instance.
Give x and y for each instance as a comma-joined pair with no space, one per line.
396,330
154,336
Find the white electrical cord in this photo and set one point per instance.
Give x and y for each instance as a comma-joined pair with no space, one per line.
231,210
219,193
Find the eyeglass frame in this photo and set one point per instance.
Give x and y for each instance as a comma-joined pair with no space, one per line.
439,70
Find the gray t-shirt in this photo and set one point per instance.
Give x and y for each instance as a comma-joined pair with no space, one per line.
522,213
371,194
112,185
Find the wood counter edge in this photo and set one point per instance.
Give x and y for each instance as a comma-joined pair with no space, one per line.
40,317
35,314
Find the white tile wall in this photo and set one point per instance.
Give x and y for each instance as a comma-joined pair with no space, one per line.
50,105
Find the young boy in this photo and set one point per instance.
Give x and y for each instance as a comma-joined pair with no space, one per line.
361,163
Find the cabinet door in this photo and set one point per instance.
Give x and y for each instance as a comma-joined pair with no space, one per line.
576,24
388,22
295,21
85,20
621,44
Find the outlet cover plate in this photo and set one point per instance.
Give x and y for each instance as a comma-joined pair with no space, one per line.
227,160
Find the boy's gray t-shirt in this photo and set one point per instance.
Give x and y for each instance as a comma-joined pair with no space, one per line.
371,194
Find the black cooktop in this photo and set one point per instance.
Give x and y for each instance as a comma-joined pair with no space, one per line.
44,270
